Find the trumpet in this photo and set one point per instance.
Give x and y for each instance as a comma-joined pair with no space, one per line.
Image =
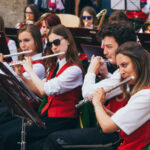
20,53
86,100
41,58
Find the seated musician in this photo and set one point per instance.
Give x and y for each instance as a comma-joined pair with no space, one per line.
31,15
48,21
88,18
133,120
114,35
10,43
63,88
29,38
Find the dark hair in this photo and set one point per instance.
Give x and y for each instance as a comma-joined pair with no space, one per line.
141,61
122,32
52,20
72,52
91,11
35,32
117,16
2,25
35,11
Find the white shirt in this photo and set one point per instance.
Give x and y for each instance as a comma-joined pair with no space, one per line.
89,85
38,68
13,49
146,8
66,81
135,113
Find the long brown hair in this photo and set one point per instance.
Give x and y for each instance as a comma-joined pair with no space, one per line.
72,52
2,25
141,61
35,32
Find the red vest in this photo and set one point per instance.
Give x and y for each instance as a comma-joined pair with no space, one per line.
138,139
115,105
62,105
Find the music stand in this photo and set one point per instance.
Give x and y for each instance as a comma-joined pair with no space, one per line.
129,5
3,46
17,102
144,40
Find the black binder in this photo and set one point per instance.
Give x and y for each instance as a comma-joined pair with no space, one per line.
144,40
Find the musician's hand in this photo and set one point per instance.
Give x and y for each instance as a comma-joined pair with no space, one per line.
27,64
94,65
1,57
18,70
98,97
103,68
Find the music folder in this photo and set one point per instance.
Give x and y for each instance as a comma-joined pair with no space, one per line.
144,40
87,42
16,97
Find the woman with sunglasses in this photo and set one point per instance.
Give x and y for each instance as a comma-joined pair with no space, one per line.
88,18
48,21
133,120
62,86
31,15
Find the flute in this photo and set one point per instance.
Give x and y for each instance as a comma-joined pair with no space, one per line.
86,100
41,58
20,53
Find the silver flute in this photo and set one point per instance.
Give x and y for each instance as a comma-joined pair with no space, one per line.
88,99
40,58
19,53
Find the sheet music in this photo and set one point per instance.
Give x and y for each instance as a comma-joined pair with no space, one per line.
130,5
22,84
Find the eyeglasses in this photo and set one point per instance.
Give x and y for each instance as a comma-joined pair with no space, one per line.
55,42
30,13
88,17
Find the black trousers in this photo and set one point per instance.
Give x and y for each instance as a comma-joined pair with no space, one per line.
82,139
10,132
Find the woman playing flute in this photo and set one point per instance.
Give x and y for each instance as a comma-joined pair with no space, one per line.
29,38
133,120
62,86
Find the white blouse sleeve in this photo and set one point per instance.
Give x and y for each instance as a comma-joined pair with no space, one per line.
135,113
39,69
89,85
68,80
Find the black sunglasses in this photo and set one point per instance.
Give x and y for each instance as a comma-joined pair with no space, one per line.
55,42
88,17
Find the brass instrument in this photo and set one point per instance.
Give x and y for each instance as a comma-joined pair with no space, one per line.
146,27
86,100
41,58
101,14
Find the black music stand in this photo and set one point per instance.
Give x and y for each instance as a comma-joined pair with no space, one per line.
144,40
3,46
87,41
17,102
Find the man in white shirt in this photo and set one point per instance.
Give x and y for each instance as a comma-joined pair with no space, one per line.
113,36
